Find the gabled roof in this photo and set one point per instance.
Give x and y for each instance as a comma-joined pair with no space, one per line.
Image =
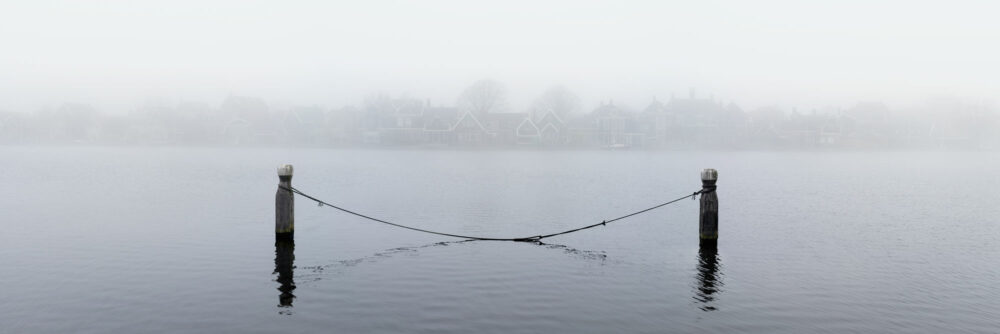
527,128
549,127
464,117
550,117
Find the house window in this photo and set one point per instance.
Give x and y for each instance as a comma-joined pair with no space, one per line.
404,122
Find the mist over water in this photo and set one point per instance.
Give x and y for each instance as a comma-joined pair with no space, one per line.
761,75
482,118
856,146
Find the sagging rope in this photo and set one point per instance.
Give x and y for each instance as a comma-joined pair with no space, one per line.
525,239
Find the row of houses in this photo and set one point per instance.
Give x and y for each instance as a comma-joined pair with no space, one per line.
680,123
690,122
415,122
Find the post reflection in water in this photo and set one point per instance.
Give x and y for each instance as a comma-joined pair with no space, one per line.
284,265
709,278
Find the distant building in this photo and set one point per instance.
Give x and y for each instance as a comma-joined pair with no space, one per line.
502,127
304,126
616,128
249,122
527,133
468,130
552,129
438,123
699,122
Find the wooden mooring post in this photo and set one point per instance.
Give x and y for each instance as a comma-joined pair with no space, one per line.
284,205
708,220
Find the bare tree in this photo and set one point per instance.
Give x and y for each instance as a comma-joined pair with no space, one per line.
558,100
483,97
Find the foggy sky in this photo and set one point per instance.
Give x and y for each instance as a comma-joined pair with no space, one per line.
115,54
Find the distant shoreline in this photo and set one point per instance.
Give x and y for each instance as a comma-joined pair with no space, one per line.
489,148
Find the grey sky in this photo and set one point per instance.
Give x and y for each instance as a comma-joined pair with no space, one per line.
115,54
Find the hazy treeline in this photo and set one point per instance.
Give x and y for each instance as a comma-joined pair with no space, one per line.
482,117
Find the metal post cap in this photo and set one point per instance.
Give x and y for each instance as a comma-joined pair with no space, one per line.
709,174
285,170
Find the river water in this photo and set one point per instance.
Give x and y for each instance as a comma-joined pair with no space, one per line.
180,240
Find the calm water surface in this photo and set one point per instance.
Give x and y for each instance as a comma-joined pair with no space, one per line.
172,240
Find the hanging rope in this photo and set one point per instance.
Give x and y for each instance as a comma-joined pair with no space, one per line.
525,239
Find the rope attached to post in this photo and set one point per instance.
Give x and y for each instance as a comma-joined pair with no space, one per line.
524,239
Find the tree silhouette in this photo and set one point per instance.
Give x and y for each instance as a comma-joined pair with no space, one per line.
558,100
483,97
